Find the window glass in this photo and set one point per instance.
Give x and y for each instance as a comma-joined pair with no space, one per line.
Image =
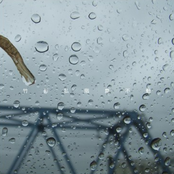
86,86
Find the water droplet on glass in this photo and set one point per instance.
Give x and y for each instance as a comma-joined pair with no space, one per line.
101,155
36,18
90,102
55,57
92,15
167,161
17,38
75,15
43,67
60,105
145,96
24,123
166,90
4,131
100,27
172,54
171,17
41,46
116,105
73,59
93,165
127,120
156,144
141,150
16,103
12,140
142,108
172,132
51,142
76,46
125,37
118,129
62,77
73,110
59,116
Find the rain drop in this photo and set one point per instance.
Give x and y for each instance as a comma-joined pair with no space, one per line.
16,103
51,141
4,131
73,59
101,155
42,46
43,67
62,77
75,15
127,120
167,161
172,54
60,105
12,140
142,108
145,96
76,46
116,105
93,165
24,123
171,17
92,15
156,144
35,18
55,57
17,38
141,150
59,116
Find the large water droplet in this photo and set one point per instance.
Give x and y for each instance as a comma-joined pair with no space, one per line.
75,15
4,131
51,141
24,123
145,96
116,105
73,59
36,18
76,46
92,15
41,46
156,144
16,103
93,165
12,140
62,77
142,108
60,105
43,67
17,38
127,120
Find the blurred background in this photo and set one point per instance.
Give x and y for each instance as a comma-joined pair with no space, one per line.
95,62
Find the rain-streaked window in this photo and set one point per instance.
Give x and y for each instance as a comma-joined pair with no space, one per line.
87,87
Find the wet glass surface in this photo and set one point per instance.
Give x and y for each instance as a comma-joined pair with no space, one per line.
102,101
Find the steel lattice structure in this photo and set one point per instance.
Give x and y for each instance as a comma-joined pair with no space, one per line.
44,114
